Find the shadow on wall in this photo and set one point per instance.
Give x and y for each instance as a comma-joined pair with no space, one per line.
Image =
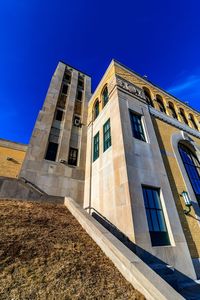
180,282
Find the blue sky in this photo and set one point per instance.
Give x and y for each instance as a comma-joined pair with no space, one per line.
157,38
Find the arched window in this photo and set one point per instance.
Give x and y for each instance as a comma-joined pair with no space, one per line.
160,104
96,109
105,96
194,125
183,117
192,167
148,96
172,111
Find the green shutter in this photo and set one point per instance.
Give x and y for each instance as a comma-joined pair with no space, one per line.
106,135
96,147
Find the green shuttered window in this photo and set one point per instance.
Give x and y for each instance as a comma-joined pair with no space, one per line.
106,135
96,147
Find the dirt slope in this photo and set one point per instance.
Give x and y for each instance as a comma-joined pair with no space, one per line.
45,254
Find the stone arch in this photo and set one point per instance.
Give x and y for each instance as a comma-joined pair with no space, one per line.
184,138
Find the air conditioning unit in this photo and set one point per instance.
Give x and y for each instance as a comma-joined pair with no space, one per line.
77,122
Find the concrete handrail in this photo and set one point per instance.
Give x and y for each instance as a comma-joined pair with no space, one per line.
143,278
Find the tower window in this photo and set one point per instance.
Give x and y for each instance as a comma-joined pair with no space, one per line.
155,217
73,156
96,147
79,95
67,76
137,127
59,115
64,89
80,82
51,151
106,135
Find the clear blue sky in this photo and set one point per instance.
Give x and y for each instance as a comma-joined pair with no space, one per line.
157,38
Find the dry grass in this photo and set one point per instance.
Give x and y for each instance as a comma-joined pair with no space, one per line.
45,254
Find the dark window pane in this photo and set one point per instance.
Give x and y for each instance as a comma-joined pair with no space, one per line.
79,95
96,147
51,151
106,135
155,217
137,128
64,89
105,96
192,167
59,115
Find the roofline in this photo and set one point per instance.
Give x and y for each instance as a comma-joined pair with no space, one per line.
74,68
149,82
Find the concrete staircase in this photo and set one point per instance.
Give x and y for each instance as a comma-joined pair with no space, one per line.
186,287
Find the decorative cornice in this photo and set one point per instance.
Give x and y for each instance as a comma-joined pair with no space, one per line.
162,116
129,87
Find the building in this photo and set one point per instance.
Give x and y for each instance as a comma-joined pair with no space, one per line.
130,153
55,159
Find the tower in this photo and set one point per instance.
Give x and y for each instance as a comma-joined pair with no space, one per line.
55,159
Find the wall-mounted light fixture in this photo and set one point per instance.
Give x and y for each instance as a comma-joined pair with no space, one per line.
188,202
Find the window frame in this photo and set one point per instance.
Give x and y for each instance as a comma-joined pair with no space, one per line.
107,141
155,216
103,97
142,137
96,146
70,160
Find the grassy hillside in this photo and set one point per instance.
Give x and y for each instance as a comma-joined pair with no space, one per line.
45,254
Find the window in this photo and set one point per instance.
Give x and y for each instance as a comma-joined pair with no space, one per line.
105,96
51,151
96,147
148,96
155,217
67,76
106,135
59,115
79,95
64,89
183,117
172,111
160,104
77,121
194,125
192,167
96,109
81,82
137,128
73,156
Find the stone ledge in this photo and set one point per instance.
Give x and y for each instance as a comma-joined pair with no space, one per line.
145,280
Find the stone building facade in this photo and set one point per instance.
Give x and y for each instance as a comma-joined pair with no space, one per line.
55,159
130,152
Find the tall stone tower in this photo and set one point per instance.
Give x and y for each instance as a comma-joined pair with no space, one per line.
55,159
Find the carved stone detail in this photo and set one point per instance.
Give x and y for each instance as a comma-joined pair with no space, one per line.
130,87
